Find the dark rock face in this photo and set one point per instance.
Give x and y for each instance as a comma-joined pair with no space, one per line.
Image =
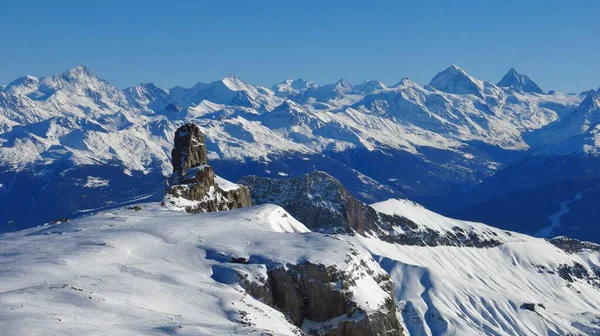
577,271
571,245
528,306
320,293
189,150
194,180
324,205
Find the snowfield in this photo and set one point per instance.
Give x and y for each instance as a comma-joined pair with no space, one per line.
159,272
155,272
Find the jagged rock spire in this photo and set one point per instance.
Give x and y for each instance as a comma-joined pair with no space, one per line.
189,150
194,185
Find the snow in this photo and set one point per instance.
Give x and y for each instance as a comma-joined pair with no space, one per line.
472,291
96,182
157,271
152,271
224,184
425,218
102,123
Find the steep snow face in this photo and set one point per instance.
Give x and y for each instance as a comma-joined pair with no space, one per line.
456,80
154,271
469,291
520,82
148,97
577,133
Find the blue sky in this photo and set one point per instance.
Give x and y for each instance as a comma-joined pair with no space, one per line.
182,42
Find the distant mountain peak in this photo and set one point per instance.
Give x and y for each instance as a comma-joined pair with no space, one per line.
369,86
456,80
590,102
234,83
519,82
79,71
405,81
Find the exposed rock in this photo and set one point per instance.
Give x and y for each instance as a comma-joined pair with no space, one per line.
528,306
189,150
323,204
577,271
320,299
194,186
571,245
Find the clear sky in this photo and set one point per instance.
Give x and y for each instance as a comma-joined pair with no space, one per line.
557,43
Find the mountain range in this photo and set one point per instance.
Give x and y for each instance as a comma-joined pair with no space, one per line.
508,154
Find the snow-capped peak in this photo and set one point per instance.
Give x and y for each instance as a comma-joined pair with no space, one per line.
370,86
234,83
405,81
456,80
590,102
519,82
293,87
22,86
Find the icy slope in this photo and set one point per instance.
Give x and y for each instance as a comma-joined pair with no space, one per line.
152,271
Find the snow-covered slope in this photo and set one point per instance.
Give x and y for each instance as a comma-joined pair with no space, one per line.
150,271
471,291
147,270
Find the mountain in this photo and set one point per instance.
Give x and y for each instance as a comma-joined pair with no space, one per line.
456,80
553,188
293,87
87,142
517,81
145,269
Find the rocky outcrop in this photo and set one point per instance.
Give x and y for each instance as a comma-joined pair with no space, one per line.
194,186
323,204
321,299
571,245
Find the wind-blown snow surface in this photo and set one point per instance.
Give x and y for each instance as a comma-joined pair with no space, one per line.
157,272
56,130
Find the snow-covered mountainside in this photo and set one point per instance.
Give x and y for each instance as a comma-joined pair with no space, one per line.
518,81
59,135
147,270
552,190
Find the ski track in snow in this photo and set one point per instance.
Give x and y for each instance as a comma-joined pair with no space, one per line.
555,217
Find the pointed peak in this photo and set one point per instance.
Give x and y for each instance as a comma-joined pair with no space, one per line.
519,82
234,82
591,101
405,81
288,104
369,86
77,73
79,69
456,80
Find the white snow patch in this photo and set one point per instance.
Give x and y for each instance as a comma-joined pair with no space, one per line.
96,182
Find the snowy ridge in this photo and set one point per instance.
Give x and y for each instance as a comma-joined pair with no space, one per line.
462,291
